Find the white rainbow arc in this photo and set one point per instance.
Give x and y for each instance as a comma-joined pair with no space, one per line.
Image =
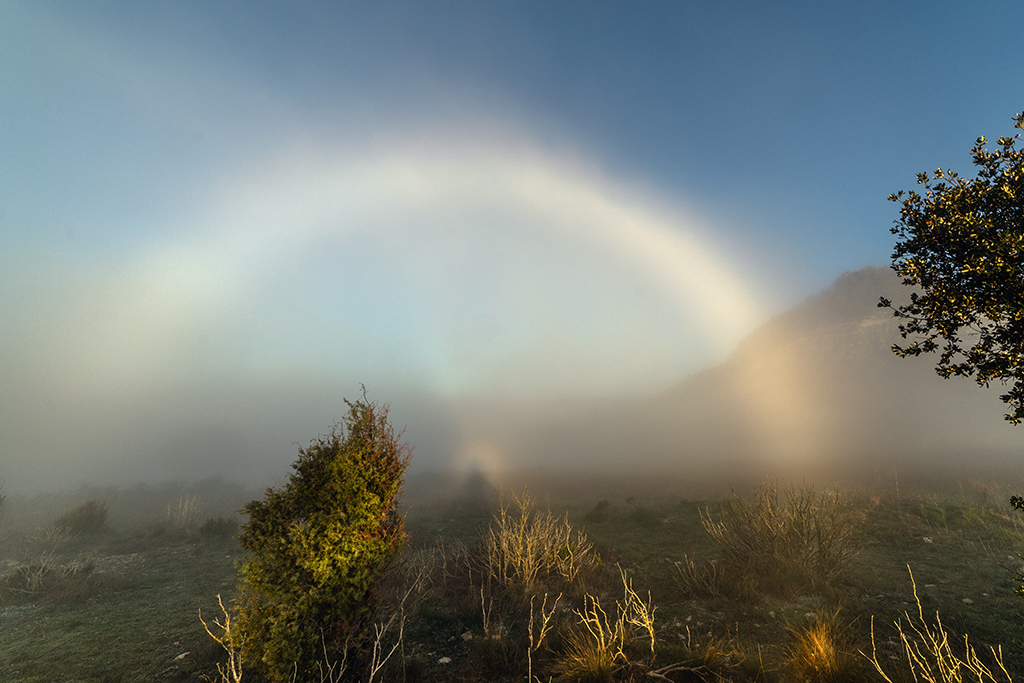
284,210
304,201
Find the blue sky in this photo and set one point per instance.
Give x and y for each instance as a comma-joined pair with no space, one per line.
204,202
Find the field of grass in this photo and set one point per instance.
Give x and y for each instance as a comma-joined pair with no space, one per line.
121,602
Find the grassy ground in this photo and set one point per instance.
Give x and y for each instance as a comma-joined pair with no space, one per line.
134,619
130,613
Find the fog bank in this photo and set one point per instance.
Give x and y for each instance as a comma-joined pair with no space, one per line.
815,393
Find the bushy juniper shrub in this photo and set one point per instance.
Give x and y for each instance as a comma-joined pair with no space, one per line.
319,547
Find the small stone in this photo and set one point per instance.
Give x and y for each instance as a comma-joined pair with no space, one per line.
467,636
182,655
928,540
445,660
967,601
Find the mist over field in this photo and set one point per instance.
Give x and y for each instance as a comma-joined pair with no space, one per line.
583,241
814,393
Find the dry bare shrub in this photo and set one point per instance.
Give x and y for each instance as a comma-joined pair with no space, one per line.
595,649
781,545
183,514
525,544
49,577
230,640
537,629
930,656
404,589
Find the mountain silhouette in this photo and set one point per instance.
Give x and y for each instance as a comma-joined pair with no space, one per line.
815,392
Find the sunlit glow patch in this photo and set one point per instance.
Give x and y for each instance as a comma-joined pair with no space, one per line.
781,404
480,458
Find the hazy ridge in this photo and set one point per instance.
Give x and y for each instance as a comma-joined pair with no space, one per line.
815,392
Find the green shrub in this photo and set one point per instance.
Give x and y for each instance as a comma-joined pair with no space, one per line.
599,513
88,518
219,527
318,548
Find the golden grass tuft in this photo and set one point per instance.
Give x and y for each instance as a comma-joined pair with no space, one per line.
586,659
819,652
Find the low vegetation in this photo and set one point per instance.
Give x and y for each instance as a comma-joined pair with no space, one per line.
607,590
931,656
525,546
772,545
87,519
